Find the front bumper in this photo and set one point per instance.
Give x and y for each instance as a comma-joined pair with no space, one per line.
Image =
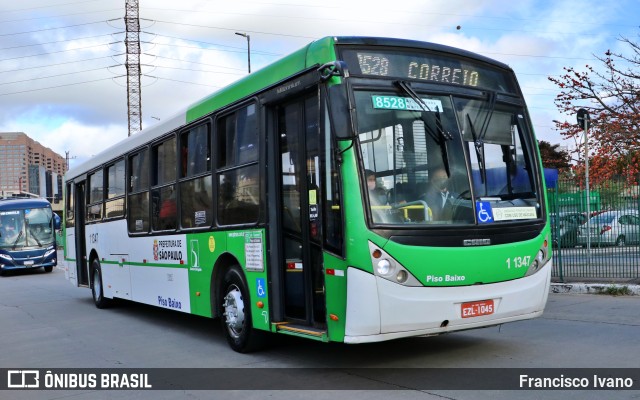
379,310
17,262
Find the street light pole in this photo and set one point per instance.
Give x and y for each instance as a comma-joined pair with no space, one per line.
584,122
248,49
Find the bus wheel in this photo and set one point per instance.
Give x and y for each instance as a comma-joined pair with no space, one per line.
236,314
97,287
48,269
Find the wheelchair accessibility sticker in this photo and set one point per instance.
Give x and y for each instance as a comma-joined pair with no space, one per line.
260,287
484,213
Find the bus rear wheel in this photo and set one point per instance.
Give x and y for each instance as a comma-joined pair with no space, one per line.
97,288
236,313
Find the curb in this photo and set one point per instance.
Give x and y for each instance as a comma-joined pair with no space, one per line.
614,289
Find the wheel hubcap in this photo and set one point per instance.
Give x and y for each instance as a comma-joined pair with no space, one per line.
97,285
234,311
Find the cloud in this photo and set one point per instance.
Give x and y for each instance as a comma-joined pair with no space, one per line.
190,49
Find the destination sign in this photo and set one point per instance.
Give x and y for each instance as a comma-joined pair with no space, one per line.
428,67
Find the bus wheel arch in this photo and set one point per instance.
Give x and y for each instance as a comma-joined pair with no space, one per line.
97,285
233,306
222,265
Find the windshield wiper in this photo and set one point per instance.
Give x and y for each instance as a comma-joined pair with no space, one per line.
491,105
34,237
441,136
478,144
17,239
478,137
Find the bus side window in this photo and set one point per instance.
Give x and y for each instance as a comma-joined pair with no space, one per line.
114,205
238,178
196,197
96,196
69,212
138,200
164,209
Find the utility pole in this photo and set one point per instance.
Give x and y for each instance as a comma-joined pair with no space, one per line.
132,43
67,159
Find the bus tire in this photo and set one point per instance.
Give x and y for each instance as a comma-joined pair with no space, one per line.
97,288
48,269
235,312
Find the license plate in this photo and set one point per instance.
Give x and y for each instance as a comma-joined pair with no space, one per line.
477,308
28,263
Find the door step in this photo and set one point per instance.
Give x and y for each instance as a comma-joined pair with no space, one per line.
301,330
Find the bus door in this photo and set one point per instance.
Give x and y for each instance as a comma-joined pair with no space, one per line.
82,267
301,275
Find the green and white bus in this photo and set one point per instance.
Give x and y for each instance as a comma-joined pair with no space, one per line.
253,204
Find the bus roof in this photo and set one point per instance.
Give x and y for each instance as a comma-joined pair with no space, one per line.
13,203
318,52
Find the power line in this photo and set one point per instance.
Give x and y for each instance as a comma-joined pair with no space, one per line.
191,62
179,81
59,75
229,29
351,20
59,86
62,63
206,49
476,16
194,70
60,51
52,5
59,16
51,29
214,44
60,41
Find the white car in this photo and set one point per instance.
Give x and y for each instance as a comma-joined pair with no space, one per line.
611,228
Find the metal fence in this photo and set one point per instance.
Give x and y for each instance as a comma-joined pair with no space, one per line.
606,245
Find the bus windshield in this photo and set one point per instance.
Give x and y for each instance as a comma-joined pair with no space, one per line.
28,228
440,159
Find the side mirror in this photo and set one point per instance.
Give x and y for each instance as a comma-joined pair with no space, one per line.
336,77
340,111
56,221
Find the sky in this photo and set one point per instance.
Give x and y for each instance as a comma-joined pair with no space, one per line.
63,74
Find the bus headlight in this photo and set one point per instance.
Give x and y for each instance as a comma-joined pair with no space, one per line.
48,253
6,257
541,259
384,266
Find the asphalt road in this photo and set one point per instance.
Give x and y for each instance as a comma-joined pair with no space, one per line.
47,323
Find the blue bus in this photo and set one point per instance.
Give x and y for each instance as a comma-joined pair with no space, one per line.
27,234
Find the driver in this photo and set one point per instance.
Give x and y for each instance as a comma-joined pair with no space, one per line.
438,196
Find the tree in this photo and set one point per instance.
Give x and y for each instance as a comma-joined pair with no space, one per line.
611,94
552,157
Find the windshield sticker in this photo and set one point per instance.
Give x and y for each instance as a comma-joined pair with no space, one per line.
484,212
503,214
404,103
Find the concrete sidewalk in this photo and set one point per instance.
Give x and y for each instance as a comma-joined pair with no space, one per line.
615,289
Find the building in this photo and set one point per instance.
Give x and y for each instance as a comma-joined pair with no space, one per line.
28,166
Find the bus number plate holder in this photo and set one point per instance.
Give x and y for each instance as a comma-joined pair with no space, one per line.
477,308
28,263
